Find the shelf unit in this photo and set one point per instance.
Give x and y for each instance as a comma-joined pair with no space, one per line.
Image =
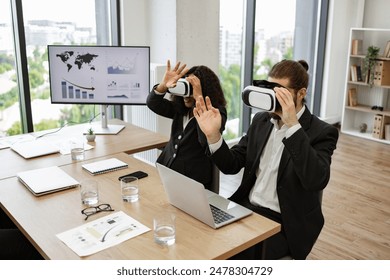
368,96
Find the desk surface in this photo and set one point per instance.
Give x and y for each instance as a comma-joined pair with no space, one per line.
131,139
42,218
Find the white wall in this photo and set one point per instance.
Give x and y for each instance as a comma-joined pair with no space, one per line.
376,14
179,30
342,16
198,32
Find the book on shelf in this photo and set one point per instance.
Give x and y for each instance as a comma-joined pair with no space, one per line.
376,132
386,53
367,76
352,97
382,73
359,73
356,46
354,73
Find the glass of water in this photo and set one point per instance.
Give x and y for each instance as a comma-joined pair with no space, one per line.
164,228
89,191
129,189
77,148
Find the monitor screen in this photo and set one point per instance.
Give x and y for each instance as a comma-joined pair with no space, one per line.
99,74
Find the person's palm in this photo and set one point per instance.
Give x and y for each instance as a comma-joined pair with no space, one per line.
209,119
171,76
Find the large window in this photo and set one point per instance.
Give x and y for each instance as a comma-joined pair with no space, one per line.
274,34
45,22
282,29
9,97
230,57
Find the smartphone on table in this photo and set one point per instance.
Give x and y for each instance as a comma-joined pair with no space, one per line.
138,174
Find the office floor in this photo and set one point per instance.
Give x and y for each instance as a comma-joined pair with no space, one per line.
356,202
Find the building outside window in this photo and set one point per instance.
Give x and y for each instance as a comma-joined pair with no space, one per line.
46,22
230,57
9,100
283,29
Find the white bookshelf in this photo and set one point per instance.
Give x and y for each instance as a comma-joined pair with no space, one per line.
367,96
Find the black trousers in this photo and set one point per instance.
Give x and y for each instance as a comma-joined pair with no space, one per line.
13,244
274,247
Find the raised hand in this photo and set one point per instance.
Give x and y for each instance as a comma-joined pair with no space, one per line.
208,118
286,100
196,86
171,76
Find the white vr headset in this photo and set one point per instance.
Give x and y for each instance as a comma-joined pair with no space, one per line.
261,95
183,88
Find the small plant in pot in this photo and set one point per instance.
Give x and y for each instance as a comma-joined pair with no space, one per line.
90,135
369,63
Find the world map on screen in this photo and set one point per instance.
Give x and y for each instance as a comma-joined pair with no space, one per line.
71,60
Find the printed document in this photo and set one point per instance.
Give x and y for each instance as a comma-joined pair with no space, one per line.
102,233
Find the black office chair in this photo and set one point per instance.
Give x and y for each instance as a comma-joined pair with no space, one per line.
288,257
215,182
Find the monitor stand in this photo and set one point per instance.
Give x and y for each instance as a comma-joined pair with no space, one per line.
106,128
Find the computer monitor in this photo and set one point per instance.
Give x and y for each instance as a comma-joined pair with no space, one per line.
103,75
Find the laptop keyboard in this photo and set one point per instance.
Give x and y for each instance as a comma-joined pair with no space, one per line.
220,215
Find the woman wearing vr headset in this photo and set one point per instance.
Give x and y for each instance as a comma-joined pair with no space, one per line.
187,146
286,157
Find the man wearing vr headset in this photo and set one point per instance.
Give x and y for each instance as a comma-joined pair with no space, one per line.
187,146
286,157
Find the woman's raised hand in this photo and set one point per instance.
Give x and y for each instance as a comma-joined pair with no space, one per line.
171,76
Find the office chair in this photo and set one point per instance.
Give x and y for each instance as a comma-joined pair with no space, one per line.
215,182
288,257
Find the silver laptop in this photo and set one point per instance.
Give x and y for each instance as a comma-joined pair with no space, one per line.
191,197
35,148
47,180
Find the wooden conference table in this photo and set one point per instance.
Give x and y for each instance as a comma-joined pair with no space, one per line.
41,218
131,139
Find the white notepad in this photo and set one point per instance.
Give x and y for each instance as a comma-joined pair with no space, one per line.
47,180
103,166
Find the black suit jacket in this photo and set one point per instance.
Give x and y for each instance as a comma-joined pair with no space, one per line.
303,173
186,151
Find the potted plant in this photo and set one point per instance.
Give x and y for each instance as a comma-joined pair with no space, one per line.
369,63
90,135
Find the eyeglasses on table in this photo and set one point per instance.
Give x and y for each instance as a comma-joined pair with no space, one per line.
89,211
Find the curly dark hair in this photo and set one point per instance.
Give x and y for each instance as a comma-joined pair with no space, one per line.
210,84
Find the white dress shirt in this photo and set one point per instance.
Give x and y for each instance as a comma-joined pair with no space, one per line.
264,191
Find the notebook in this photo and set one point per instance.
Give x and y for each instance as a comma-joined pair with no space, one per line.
35,148
191,197
47,180
104,166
